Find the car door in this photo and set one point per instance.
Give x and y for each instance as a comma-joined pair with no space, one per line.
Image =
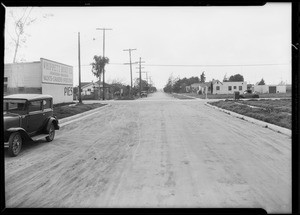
35,117
47,110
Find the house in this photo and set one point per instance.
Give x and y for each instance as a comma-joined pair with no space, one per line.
218,87
88,87
195,87
227,87
204,88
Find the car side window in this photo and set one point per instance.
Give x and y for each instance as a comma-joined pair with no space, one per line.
47,103
35,106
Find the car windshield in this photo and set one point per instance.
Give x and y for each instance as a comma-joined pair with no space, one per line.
14,106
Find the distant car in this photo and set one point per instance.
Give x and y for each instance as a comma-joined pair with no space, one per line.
27,117
144,94
249,94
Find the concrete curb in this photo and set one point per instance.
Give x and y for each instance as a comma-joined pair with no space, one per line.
70,119
273,127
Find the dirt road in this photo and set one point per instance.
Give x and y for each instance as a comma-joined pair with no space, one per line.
154,152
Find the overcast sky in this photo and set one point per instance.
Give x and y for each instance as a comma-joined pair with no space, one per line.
182,41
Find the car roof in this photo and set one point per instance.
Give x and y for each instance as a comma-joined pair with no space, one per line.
27,96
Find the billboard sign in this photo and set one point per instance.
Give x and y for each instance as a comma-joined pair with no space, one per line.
56,73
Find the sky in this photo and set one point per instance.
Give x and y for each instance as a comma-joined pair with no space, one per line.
253,41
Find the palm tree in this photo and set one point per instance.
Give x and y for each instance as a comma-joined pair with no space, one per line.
98,67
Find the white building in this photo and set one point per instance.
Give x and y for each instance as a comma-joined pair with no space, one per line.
261,88
44,77
228,87
281,89
270,88
89,87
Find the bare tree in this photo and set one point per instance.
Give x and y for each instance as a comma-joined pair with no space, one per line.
20,22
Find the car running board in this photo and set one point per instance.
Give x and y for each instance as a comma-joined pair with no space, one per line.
40,136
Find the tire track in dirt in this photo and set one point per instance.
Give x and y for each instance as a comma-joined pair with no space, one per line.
80,162
261,154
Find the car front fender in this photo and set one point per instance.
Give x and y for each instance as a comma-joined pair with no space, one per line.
22,131
55,123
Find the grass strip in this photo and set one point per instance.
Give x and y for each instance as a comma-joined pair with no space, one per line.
62,111
231,96
282,105
273,116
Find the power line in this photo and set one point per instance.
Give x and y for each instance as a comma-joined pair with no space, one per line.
216,65
203,65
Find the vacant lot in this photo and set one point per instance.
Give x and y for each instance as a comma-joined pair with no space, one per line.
66,110
277,112
231,96
281,105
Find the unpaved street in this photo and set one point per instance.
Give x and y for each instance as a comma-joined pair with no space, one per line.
154,152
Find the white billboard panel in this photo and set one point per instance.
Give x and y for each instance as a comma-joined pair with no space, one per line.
56,73
60,93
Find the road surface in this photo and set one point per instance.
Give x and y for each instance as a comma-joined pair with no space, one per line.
154,152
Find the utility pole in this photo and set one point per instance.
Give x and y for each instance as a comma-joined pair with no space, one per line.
150,84
129,50
79,86
103,29
140,67
147,77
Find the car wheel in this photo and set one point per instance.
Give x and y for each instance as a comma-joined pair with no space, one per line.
51,133
15,144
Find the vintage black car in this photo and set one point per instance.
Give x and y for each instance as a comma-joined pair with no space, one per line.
249,94
144,94
27,117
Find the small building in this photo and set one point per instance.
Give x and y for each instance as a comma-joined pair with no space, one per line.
195,87
87,88
280,88
261,88
91,90
40,77
204,88
270,89
227,87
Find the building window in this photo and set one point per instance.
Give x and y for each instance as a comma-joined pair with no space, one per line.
234,87
240,87
218,88
5,88
229,88
5,79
